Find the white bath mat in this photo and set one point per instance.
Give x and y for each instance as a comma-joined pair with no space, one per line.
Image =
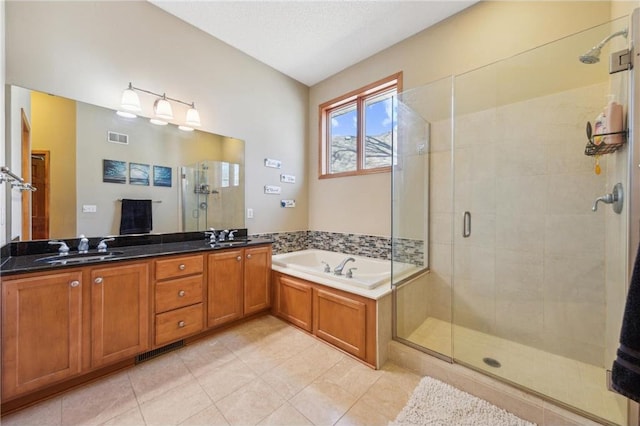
435,403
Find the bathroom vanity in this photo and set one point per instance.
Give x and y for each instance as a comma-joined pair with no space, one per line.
67,323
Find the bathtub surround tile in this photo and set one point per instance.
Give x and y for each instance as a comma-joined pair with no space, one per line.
404,249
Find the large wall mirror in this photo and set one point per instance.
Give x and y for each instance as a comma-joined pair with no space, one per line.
84,160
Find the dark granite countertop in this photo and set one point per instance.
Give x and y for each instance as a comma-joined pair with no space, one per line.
20,258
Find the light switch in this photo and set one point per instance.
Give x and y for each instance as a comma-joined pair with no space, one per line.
249,213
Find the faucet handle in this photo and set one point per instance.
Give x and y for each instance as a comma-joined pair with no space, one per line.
350,272
64,248
327,268
102,245
230,237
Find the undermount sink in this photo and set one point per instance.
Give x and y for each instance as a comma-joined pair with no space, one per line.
223,244
78,257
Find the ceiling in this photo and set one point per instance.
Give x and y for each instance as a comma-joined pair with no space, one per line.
311,40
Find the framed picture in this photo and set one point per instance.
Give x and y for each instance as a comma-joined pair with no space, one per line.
114,171
161,176
139,174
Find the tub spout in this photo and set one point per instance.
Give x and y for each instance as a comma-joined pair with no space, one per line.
338,269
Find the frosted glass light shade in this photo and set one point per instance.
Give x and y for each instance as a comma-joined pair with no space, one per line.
193,117
162,109
186,128
158,122
126,114
130,101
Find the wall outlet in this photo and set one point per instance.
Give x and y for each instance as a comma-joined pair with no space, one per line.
249,213
89,208
288,203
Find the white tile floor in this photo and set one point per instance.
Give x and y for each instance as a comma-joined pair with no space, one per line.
573,382
261,372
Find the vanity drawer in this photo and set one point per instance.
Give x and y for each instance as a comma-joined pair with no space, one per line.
179,266
177,293
179,323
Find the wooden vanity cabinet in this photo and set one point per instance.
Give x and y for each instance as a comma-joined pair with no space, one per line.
41,330
239,284
119,312
178,298
346,320
293,300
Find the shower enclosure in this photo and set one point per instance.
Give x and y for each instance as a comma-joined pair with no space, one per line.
212,196
526,281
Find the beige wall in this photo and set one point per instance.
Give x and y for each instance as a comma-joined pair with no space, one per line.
3,194
477,36
53,129
90,50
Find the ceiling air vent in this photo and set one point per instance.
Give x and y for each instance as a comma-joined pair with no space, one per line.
118,138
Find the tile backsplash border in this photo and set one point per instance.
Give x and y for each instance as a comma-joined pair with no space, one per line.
409,251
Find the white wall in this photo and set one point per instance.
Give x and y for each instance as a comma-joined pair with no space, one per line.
479,35
91,50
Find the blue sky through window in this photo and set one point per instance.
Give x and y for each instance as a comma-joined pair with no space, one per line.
379,119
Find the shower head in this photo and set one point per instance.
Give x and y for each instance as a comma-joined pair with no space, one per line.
593,55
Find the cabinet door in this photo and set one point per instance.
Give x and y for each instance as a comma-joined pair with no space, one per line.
41,331
293,301
257,273
224,287
340,321
119,312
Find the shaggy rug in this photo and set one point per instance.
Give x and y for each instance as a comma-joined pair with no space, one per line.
436,403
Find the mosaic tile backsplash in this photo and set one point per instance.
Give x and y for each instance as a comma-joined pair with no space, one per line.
408,251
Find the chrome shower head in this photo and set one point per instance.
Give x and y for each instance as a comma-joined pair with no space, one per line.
593,55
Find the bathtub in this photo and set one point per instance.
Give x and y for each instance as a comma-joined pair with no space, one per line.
369,274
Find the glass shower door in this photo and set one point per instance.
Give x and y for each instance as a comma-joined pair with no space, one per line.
422,206
531,260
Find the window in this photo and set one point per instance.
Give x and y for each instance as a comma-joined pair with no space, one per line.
358,130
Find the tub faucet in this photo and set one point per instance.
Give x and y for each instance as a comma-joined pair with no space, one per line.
338,269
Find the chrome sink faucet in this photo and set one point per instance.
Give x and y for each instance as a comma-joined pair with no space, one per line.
83,246
338,269
102,245
64,248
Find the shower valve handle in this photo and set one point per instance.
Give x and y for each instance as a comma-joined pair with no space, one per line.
616,198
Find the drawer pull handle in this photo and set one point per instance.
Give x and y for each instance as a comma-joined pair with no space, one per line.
249,256
181,324
98,280
181,293
182,267
74,283
239,258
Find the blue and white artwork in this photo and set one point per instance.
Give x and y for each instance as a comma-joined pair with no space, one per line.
161,176
114,171
139,174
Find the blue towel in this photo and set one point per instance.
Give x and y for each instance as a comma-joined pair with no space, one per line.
625,374
136,217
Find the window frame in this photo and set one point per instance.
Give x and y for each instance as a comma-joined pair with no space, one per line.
359,97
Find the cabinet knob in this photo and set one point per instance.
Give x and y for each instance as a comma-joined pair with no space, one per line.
98,280
181,324
182,267
181,293
239,258
249,256
74,283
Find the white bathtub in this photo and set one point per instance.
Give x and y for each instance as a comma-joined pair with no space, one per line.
370,273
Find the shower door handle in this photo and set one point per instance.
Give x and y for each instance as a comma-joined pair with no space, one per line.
466,225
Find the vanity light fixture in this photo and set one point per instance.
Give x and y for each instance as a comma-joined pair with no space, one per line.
162,109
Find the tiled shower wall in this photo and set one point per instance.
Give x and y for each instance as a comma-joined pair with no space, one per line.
533,269
408,251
